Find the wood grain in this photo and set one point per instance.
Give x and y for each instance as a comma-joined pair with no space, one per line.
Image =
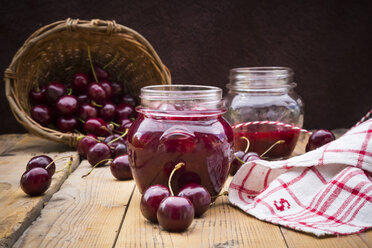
85,212
17,209
221,226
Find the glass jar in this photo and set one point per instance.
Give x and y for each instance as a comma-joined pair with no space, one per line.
180,123
264,94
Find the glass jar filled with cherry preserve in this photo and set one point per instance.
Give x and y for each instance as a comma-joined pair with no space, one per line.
180,124
264,109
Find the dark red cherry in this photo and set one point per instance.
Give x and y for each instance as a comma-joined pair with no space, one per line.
54,91
120,149
199,197
96,126
38,94
175,213
101,73
251,156
42,161
124,123
80,82
67,105
83,99
235,163
111,137
86,143
129,100
150,201
35,181
41,114
117,90
120,168
97,93
106,85
87,111
319,138
124,111
107,112
98,152
67,124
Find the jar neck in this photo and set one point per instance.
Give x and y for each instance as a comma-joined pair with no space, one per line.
181,100
261,79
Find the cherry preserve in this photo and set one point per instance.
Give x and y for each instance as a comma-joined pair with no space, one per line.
180,123
264,94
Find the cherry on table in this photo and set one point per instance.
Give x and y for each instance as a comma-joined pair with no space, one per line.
120,149
35,181
150,201
54,91
199,197
80,82
120,168
124,110
67,124
319,138
107,112
98,153
67,105
87,111
38,94
86,143
96,126
175,213
108,140
124,123
41,114
97,93
107,86
42,161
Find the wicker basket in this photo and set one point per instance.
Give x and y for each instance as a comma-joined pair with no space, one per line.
57,51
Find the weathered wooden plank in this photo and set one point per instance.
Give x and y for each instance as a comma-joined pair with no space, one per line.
299,239
17,209
221,226
366,237
85,212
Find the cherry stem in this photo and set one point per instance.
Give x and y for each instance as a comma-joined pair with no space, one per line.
222,194
96,104
111,61
100,162
91,64
116,139
46,167
241,161
81,120
67,166
69,91
115,124
271,147
178,166
248,144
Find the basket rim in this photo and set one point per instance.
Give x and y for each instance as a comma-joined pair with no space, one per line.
70,25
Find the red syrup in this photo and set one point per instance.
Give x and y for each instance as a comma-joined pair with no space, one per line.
262,136
203,143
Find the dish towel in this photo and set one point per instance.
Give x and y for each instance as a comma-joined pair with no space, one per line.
325,191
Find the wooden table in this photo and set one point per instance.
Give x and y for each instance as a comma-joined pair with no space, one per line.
99,211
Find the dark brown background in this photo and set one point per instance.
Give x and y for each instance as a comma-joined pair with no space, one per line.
327,43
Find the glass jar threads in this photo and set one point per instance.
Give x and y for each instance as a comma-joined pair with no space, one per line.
263,107
180,123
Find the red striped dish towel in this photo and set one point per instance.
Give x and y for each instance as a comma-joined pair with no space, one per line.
325,191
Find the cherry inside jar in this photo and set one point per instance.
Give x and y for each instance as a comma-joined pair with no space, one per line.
180,123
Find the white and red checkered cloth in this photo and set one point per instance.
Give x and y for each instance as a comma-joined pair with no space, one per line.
325,191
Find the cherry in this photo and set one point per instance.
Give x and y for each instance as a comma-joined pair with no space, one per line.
110,138
117,89
35,181
80,82
198,195
129,100
124,110
101,73
120,149
86,143
54,91
175,213
97,93
83,98
107,112
124,123
41,114
120,168
38,94
67,124
67,105
42,161
251,156
96,126
87,111
319,138
150,201
235,163
98,153
107,86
